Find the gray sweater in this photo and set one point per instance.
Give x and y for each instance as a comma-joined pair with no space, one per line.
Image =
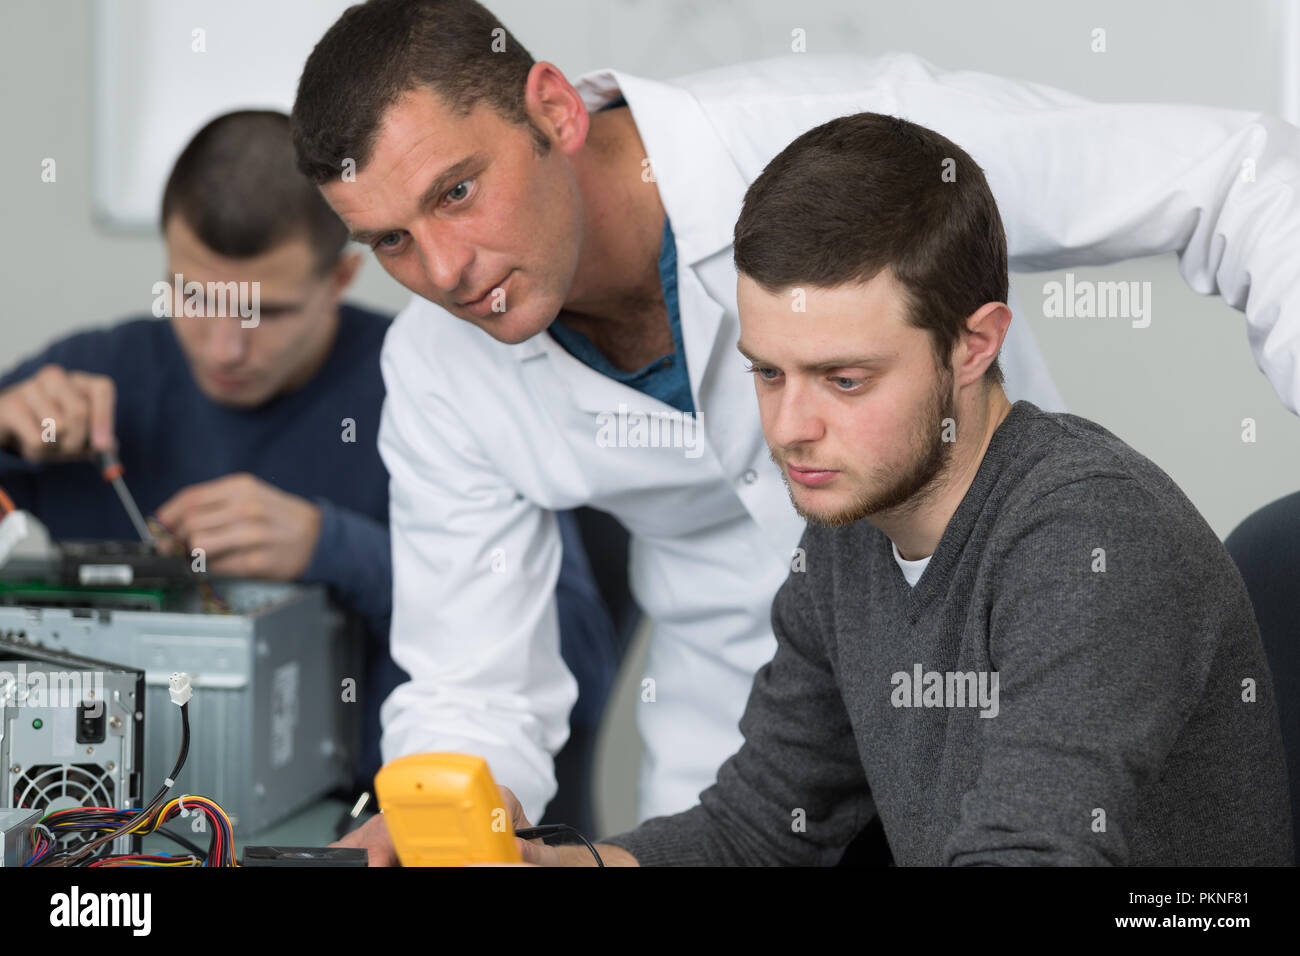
1131,720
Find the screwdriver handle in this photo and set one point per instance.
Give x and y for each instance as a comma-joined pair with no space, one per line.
109,466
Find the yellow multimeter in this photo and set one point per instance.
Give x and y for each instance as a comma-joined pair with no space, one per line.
444,809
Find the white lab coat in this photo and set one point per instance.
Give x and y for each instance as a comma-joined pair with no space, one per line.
483,440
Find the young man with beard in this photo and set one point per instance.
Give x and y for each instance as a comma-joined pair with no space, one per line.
1015,641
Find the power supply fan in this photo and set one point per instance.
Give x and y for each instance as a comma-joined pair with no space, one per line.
63,786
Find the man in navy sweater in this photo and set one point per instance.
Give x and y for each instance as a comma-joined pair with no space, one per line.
249,434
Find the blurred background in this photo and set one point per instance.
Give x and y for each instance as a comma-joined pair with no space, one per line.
111,90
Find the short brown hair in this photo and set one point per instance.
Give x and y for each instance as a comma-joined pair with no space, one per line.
377,51
235,184
869,192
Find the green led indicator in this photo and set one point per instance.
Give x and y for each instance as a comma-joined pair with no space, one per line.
37,724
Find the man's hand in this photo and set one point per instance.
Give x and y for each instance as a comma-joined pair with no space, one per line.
539,854
532,851
80,406
372,836
245,527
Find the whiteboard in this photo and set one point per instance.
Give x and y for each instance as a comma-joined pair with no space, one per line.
153,89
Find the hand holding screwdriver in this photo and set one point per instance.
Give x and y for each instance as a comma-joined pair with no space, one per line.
58,415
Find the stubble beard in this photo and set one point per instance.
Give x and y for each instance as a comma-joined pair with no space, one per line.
892,490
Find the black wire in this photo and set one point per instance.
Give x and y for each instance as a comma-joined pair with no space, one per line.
144,814
553,829
192,847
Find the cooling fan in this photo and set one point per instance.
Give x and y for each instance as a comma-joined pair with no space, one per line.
50,787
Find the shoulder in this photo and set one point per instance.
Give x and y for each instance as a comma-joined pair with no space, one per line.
803,75
360,340
1070,475
758,108
119,349
363,326
1051,451
1091,530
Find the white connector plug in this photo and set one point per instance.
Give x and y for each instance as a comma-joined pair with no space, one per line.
180,689
13,529
23,536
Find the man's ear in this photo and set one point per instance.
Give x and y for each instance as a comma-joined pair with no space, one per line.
344,272
557,109
986,327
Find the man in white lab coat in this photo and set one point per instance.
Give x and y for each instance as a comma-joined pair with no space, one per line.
593,247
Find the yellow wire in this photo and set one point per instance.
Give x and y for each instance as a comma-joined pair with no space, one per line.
143,826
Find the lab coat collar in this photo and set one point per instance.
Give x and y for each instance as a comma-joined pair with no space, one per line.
699,184
702,192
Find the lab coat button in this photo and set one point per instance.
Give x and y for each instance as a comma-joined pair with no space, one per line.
750,476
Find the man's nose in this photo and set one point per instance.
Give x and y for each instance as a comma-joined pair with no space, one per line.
444,259
796,419
227,341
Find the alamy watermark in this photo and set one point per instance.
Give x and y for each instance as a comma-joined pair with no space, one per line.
1085,299
211,300
632,429
46,688
946,689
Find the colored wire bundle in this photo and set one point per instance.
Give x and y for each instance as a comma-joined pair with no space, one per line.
76,856
142,859
221,848
112,823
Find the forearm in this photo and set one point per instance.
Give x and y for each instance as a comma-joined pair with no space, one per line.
353,557
1215,186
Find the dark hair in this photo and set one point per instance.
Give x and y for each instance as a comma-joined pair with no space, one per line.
237,187
868,192
378,51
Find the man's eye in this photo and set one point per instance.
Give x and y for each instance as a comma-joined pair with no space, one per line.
459,191
385,243
845,384
766,374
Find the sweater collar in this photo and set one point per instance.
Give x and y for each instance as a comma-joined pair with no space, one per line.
1002,449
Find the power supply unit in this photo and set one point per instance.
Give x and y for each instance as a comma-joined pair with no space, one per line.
71,734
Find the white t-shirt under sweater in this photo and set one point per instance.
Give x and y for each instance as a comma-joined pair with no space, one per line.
912,570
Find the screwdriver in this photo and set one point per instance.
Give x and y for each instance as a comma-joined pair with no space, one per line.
112,470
